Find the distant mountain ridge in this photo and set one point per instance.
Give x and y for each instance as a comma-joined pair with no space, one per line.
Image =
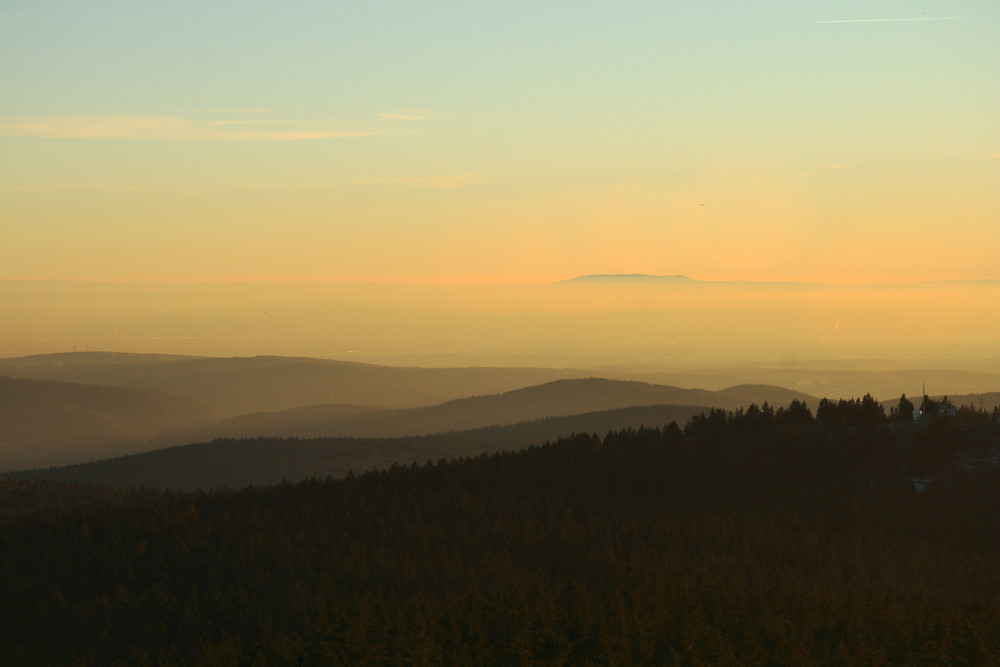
240,462
241,385
644,277
93,405
97,358
680,279
553,399
43,422
90,405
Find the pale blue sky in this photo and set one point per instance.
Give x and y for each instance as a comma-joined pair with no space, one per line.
501,138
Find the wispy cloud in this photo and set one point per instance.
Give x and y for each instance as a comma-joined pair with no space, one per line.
182,128
119,188
83,187
905,19
403,116
425,182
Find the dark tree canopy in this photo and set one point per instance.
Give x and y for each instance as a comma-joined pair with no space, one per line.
759,536
903,410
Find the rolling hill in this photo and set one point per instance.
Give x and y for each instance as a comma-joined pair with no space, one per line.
552,399
136,403
236,463
829,379
333,440
44,423
242,385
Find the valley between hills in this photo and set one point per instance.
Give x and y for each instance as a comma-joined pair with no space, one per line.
274,510
199,422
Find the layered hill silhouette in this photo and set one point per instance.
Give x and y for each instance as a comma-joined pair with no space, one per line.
986,400
324,441
830,380
753,538
242,385
630,278
66,408
52,423
236,463
553,399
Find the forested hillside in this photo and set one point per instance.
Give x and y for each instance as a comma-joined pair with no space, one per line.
755,537
260,461
45,423
552,399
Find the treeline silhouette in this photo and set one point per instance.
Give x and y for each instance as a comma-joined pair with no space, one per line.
759,536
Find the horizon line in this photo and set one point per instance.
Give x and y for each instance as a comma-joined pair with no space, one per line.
484,280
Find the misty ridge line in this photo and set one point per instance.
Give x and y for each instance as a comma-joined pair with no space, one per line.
236,461
679,279
443,282
74,407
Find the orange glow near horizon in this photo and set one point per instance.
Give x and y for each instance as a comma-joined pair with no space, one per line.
451,183
474,280
553,324
457,280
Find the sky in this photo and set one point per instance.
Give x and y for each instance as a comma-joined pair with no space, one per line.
499,142
411,178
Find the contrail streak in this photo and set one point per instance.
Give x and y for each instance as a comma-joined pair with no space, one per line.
918,18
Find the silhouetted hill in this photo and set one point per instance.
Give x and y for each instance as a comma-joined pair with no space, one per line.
742,395
307,422
259,460
97,358
988,400
242,385
266,448
629,278
760,537
558,398
44,423
830,379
